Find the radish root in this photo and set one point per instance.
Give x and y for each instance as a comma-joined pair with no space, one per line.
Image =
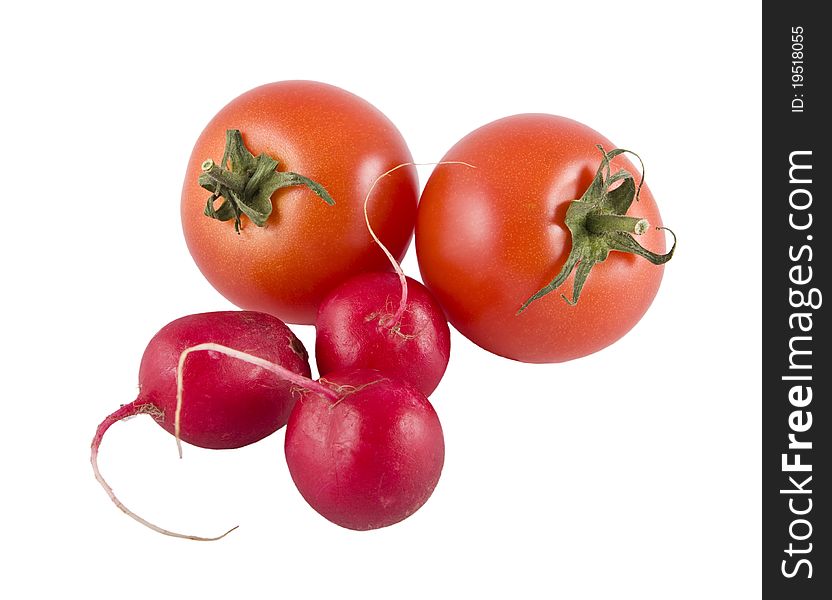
126,411
138,407
396,319
345,390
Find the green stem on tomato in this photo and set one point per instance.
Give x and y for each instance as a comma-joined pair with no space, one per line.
609,223
235,182
246,183
599,224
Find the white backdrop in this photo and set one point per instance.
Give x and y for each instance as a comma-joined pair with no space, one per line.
556,485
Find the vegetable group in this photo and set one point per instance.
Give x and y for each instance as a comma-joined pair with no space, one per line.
488,239
548,247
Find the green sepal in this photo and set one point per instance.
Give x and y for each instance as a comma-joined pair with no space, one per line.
296,179
241,160
246,183
591,245
225,211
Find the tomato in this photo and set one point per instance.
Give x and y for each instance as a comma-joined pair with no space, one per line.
305,248
488,238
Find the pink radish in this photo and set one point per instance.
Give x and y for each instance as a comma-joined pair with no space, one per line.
374,321
368,454
204,394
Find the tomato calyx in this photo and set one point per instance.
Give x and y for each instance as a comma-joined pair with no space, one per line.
247,183
599,224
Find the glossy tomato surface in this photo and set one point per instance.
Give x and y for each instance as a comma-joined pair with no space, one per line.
306,247
488,238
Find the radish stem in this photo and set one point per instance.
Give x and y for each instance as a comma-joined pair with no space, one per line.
282,372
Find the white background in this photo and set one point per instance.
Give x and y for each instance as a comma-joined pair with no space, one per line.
632,473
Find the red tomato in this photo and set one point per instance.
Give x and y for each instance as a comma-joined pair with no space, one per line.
488,238
306,247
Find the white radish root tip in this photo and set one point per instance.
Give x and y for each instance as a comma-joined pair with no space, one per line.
126,411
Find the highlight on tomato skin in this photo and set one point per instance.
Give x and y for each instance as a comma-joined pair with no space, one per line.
305,246
488,239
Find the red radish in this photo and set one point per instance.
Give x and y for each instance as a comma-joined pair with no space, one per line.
357,327
373,321
369,458
204,394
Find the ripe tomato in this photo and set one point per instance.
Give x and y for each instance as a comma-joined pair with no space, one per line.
488,238
305,247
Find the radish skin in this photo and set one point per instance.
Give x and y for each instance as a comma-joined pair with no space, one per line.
357,328
282,372
372,458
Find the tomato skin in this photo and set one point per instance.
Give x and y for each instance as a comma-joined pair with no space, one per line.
307,247
488,238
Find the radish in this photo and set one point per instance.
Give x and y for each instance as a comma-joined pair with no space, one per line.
204,394
384,321
369,453
357,326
